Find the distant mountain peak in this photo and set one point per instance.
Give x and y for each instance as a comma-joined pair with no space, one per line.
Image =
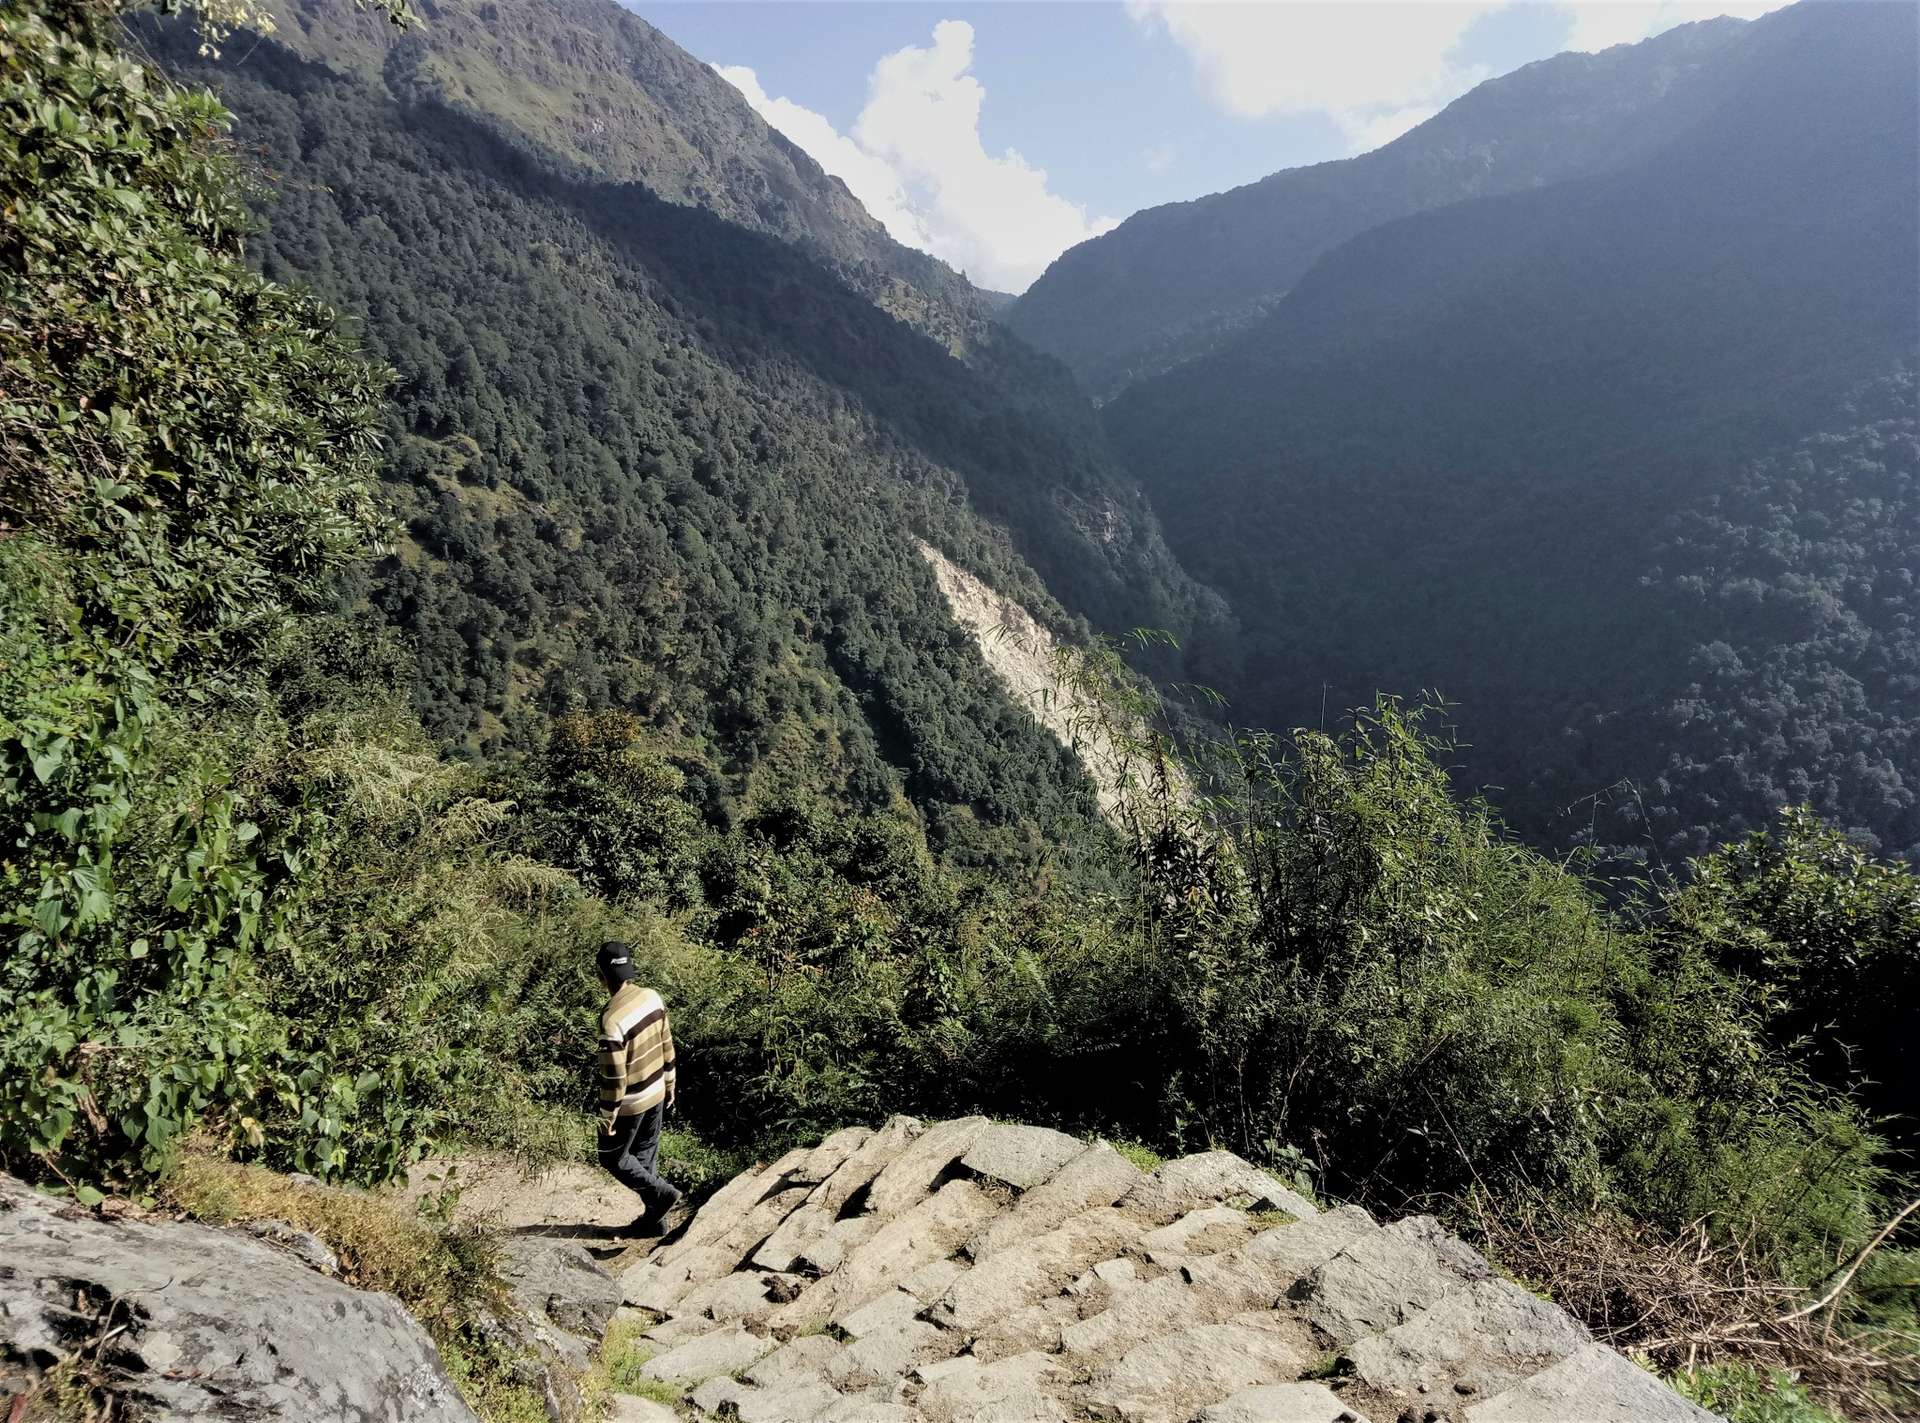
1173,282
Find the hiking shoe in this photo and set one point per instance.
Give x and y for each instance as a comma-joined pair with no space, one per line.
649,1227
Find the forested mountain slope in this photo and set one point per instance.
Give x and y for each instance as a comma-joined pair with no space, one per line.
593,83
1604,460
648,457
1173,282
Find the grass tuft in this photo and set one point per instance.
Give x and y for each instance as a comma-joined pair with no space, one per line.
1145,1157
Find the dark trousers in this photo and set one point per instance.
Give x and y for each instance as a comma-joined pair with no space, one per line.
631,1152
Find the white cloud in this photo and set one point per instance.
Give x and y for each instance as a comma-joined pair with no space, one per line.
1375,69
1157,157
915,160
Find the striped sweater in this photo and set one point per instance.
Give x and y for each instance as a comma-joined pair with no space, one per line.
636,1054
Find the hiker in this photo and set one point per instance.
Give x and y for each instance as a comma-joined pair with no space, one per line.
637,1086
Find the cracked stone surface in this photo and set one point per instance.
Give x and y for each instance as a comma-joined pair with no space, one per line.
727,1350
1282,1403
1021,1157
1161,1381
1594,1385
1488,1335
1373,1284
1217,1176
978,1272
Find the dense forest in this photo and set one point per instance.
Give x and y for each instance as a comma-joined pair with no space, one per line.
1581,458
646,459
345,708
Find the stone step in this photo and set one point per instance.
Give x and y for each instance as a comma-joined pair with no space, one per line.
924,1232
1487,1336
1591,1385
726,1350
1215,1176
921,1167
1023,1274
1019,1389
1020,1157
1166,1379
865,1162
1373,1283
978,1272
1099,1176
1282,1403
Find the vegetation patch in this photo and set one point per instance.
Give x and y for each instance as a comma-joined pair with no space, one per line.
444,1274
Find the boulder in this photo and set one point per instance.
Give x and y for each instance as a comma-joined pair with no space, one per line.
1099,1176
923,1165
823,1256
1376,1282
921,1234
1290,1251
724,1351
807,1357
865,1162
881,1312
193,1322
726,1206
1013,1390
1197,1232
890,1353
791,1239
1023,1273
829,1156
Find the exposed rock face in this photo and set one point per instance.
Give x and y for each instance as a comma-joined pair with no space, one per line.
562,1303
972,1272
189,1322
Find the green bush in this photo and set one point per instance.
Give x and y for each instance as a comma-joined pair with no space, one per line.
1743,1394
186,452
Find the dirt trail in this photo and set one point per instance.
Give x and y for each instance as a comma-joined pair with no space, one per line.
496,1191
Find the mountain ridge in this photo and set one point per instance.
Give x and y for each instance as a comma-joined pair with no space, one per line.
1457,436
1175,281
597,84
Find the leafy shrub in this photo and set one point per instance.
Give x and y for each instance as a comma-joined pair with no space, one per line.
1743,1394
185,455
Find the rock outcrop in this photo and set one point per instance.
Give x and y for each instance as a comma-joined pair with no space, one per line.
978,1272
184,1321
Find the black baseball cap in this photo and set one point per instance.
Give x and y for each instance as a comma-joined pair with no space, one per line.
616,961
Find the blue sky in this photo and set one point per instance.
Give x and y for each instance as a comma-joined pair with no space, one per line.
996,135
